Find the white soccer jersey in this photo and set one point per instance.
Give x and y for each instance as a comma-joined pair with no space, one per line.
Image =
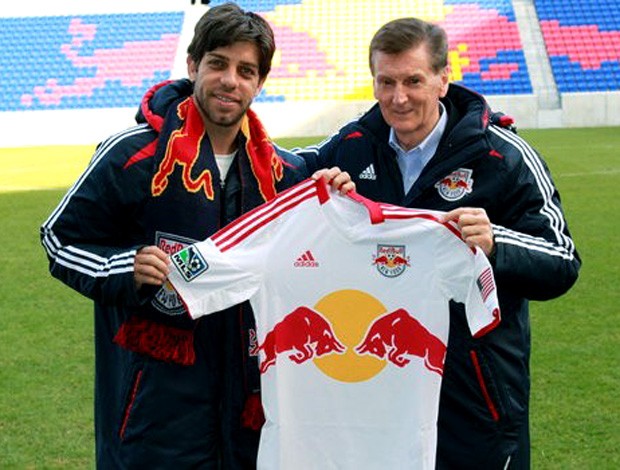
352,317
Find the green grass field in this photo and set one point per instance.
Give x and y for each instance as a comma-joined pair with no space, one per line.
46,337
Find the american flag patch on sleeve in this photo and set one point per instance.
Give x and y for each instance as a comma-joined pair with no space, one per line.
485,283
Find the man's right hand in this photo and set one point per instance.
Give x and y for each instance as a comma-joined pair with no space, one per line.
150,267
336,178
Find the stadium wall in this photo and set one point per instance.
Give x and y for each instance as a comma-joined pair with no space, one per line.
283,119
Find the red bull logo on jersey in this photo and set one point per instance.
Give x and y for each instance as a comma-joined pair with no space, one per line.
456,185
398,334
302,335
391,260
349,337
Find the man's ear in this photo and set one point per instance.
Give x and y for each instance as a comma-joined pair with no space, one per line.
192,68
445,81
260,87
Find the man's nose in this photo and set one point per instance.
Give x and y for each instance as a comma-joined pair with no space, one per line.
229,78
400,96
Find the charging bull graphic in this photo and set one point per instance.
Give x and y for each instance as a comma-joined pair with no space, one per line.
90,63
490,63
398,334
184,150
305,332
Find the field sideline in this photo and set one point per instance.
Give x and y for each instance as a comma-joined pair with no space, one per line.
50,167
46,338
33,168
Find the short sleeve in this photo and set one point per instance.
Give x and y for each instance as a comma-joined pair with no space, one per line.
481,305
208,280
468,278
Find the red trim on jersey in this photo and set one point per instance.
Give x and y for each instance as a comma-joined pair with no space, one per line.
483,386
237,231
404,213
262,208
491,326
132,399
290,198
253,225
322,191
374,208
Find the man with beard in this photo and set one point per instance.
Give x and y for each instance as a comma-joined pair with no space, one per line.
170,391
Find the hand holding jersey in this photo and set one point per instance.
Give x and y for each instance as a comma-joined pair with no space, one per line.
151,262
150,266
475,227
351,299
339,180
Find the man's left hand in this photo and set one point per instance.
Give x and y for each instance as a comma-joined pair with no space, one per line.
475,227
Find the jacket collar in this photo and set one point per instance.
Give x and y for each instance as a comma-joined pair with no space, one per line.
468,117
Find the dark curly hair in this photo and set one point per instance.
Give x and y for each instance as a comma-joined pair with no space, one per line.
227,24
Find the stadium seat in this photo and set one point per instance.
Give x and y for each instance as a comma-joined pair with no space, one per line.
581,36
85,54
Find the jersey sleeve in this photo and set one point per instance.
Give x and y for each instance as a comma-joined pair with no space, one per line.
481,304
209,280
468,279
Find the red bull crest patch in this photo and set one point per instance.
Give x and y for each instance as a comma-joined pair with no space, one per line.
456,185
391,260
189,262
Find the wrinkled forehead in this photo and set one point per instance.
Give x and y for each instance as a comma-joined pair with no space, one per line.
412,61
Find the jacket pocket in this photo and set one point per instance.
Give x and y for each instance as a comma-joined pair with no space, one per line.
486,386
130,401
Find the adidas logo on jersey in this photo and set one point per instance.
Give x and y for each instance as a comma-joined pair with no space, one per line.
306,260
368,173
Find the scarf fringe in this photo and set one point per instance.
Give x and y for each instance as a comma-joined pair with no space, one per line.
157,340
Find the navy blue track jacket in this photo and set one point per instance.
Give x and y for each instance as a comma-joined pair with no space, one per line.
485,393
151,413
